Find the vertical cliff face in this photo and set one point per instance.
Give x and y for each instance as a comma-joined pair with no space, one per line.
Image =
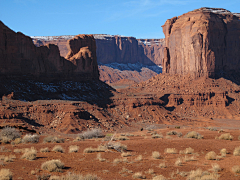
19,56
204,42
111,49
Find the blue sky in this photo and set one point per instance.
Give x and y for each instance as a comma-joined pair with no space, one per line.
137,18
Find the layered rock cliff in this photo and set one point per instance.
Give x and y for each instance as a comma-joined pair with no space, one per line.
20,57
203,42
114,49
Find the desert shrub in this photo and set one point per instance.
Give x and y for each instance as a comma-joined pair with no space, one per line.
193,134
236,151
54,165
236,169
159,177
187,151
93,133
43,150
226,136
171,133
211,155
17,150
92,150
30,154
99,157
43,177
150,171
170,151
125,154
9,158
223,152
73,148
73,176
187,158
5,174
29,138
53,139
220,131
16,141
212,128
139,158
162,165
156,155
178,162
202,175
58,148
154,136
122,138
53,177
216,167
138,175
117,146
8,134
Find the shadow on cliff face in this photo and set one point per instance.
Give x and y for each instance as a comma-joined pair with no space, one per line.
92,91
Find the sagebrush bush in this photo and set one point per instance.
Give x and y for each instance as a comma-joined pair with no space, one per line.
187,151
117,146
54,165
170,151
223,152
216,167
156,155
211,155
226,136
193,134
30,154
236,169
8,134
138,175
73,148
159,177
5,174
162,165
154,136
43,150
89,134
171,133
236,151
53,139
58,148
30,138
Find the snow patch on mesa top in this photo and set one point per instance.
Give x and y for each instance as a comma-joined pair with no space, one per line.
133,67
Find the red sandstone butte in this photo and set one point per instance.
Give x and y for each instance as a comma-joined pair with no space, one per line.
203,42
20,57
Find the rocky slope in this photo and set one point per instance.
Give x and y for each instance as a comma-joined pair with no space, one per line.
125,51
203,42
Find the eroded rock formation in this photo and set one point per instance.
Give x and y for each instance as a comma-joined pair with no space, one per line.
203,42
20,57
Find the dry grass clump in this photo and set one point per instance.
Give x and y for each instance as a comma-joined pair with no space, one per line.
211,155
138,175
43,177
5,174
236,169
54,165
53,139
73,148
117,146
16,141
72,176
156,155
191,158
139,158
92,150
170,151
202,175
159,177
89,134
9,158
8,134
116,161
17,150
58,148
43,150
150,171
29,138
178,162
193,134
30,154
122,138
226,136
126,154
187,151
155,136
216,168
236,151
171,133
99,157
223,152
162,165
